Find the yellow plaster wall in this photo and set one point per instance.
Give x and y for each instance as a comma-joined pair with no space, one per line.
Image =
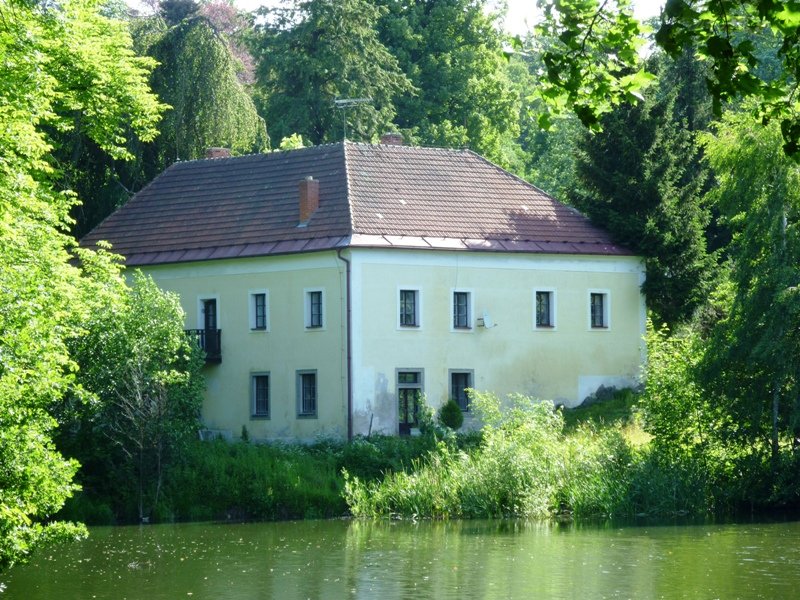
286,348
564,364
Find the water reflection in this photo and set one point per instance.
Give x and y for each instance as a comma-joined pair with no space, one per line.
386,560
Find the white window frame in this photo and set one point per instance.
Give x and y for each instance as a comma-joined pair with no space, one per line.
253,413
201,321
606,309
470,310
553,309
299,390
417,307
307,309
251,300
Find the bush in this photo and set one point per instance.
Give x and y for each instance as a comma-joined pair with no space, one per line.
450,415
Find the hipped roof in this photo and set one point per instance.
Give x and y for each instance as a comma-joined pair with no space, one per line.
370,196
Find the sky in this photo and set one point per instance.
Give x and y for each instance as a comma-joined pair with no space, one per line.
519,19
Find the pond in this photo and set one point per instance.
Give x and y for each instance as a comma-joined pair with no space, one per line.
393,559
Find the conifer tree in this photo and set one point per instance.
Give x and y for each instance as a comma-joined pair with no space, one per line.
637,179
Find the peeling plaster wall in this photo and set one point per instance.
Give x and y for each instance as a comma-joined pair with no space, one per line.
565,363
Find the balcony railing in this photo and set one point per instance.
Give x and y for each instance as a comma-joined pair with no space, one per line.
210,342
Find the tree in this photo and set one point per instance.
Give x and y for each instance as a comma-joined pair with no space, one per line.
636,179
596,65
65,65
752,365
453,54
143,379
317,51
198,77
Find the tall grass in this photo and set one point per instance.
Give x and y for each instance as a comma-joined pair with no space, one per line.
529,465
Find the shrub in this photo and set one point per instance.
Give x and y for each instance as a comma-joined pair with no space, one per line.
450,415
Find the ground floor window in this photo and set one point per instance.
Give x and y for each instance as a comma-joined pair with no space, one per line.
307,393
260,395
409,399
460,381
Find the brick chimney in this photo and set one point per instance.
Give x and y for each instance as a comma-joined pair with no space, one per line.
392,138
218,153
309,198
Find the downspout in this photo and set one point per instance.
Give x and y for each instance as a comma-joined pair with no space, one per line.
349,348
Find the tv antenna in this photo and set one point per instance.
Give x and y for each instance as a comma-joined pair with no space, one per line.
344,104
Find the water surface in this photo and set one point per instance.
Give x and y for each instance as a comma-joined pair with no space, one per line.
387,560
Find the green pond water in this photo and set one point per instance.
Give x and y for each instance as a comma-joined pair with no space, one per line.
385,560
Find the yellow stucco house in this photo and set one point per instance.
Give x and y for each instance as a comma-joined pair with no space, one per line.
336,287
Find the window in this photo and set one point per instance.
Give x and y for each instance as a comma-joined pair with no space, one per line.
545,309
598,310
409,308
409,399
306,393
259,311
260,395
459,382
207,313
461,310
314,309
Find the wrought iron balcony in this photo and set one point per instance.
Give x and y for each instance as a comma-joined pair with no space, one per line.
210,342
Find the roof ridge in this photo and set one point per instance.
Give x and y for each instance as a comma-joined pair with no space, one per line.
347,193
256,154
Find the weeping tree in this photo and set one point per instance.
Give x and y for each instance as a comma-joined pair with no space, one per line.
316,51
198,77
751,365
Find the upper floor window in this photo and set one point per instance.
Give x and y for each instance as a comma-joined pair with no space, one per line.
598,310
259,315
314,309
545,309
461,310
306,393
409,308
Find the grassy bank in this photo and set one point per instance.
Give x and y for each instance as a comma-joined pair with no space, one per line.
529,461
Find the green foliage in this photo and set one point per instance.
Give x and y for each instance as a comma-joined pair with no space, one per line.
64,66
197,76
143,378
220,480
450,415
638,180
317,51
751,366
292,142
596,65
512,474
452,53
591,58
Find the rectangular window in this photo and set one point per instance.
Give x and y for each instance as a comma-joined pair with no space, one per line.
459,382
307,393
598,307
409,308
461,318
409,400
258,311
260,394
314,309
545,309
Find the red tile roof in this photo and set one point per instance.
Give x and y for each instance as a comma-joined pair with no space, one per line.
370,195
